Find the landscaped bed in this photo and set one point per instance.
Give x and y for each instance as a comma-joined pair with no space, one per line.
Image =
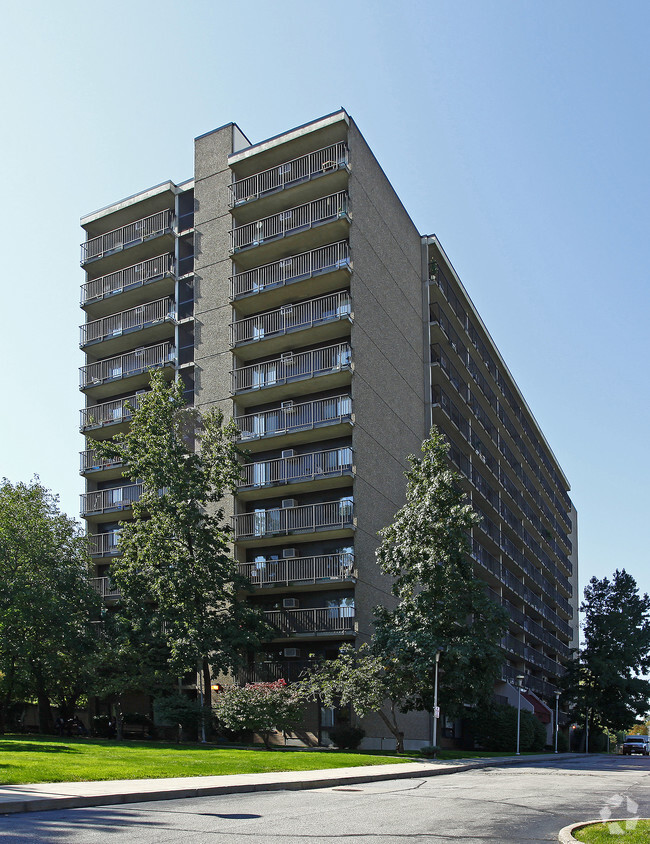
605,833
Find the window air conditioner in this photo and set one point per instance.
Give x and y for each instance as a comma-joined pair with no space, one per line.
290,603
292,652
289,452
287,406
289,502
288,553
286,356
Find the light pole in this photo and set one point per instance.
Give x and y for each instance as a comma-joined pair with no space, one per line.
435,700
557,708
520,680
587,732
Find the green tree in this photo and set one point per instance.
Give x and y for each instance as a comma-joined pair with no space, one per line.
261,707
48,610
179,583
604,681
440,606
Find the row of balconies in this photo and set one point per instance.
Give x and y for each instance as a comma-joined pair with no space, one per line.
534,684
530,654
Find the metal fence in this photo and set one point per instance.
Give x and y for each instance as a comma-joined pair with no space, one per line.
121,280
325,567
109,413
104,587
321,620
131,320
104,500
155,224
291,317
299,467
104,544
89,459
292,417
123,366
285,520
292,366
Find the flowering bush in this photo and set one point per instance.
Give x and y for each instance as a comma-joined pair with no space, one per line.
261,707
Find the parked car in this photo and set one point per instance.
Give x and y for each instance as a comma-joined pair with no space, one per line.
636,744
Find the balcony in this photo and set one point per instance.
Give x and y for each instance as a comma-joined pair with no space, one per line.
154,318
290,670
332,209
109,413
331,365
156,275
299,171
91,463
311,622
327,260
302,470
104,587
331,516
298,422
104,544
277,328
98,377
103,501
326,568
127,236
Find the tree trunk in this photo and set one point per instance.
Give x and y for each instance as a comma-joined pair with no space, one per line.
397,733
118,720
45,722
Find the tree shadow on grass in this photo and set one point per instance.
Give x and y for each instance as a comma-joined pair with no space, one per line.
35,747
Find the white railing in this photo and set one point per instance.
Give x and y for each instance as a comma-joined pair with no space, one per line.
291,318
132,320
290,221
105,500
104,587
325,259
299,570
292,367
300,467
121,280
97,247
321,620
289,173
123,366
295,417
286,520
89,459
109,413
104,544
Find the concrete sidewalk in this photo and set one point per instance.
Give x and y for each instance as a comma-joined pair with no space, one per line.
73,795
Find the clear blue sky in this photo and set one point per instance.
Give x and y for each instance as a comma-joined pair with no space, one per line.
516,131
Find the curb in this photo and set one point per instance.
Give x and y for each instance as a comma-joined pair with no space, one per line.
565,835
283,782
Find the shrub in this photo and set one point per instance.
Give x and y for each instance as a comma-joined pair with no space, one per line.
562,743
178,711
261,707
346,737
430,751
495,728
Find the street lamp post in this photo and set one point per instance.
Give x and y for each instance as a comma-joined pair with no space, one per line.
557,707
587,732
520,680
435,700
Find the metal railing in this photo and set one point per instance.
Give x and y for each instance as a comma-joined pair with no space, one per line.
126,365
291,317
289,173
289,670
121,280
292,367
295,417
282,572
290,221
321,620
103,544
106,500
89,459
325,259
331,515
109,413
510,643
132,320
129,235
300,467
104,587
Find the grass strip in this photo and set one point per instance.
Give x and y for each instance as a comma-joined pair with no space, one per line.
605,833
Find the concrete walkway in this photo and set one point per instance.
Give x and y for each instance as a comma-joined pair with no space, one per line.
72,795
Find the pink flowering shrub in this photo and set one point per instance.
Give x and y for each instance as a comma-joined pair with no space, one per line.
260,707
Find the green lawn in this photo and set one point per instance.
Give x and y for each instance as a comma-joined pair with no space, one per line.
602,834
26,759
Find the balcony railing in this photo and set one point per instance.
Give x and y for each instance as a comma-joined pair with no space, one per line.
289,222
305,518
104,587
324,568
300,467
289,173
289,670
91,461
305,265
126,279
325,620
109,413
104,544
124,366
108,500
125,236
291,318
295,417
132,320
292,366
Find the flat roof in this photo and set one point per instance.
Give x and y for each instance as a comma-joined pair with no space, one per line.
163,187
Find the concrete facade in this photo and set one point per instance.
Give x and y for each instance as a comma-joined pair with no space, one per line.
298,296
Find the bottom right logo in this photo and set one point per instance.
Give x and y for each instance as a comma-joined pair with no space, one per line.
616,801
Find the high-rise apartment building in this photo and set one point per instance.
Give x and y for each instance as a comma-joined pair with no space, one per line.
286,284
